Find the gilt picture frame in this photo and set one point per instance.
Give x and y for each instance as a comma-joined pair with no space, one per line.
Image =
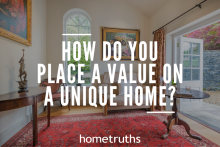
124,36
16,20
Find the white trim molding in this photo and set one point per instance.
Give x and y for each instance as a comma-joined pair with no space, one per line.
12,130
18,125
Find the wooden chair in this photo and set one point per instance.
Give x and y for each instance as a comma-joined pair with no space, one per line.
55,90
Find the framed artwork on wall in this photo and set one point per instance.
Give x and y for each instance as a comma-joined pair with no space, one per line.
15,20
124,36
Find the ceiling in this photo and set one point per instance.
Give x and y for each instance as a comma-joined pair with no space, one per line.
148,7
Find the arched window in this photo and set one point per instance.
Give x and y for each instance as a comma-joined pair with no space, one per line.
77,27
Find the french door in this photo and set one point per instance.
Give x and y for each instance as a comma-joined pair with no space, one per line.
191,57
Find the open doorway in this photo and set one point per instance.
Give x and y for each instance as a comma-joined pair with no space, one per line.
199,52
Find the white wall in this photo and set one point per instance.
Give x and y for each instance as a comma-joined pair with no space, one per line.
174,8
10,53
114,13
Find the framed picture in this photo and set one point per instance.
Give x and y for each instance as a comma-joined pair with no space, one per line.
15,20
124,36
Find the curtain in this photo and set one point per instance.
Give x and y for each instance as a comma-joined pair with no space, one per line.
161,56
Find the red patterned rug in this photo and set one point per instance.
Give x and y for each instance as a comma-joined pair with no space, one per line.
66,131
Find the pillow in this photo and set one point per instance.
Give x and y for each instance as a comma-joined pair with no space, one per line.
121,87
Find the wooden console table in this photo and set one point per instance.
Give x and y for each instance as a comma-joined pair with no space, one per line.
14,100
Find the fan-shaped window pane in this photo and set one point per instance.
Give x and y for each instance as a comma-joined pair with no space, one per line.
81,19
75,18
85,23
70,22
84,30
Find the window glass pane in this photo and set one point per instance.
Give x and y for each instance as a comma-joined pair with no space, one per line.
73,74
196,49
86,69
71,30
70,22
75,82
87,73
186,74
87,81
83,59
81,19
195,74
186,61
72,39
72,61
86,77
195,61
187,47
75,19
84,30
86,23
73,27
84,38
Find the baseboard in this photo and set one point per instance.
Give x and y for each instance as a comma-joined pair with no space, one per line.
11,131
17,126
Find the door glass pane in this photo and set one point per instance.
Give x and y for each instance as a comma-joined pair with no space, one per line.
187,47
186,74
196,49
186,61
195,61
195,74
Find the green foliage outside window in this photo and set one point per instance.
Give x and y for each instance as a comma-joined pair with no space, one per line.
85,69
79,24
210,35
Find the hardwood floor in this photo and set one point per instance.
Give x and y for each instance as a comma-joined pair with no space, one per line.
204,131
201,129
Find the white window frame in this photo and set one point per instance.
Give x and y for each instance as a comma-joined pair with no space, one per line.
67,15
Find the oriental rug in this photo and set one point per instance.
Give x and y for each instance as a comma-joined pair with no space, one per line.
67,130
